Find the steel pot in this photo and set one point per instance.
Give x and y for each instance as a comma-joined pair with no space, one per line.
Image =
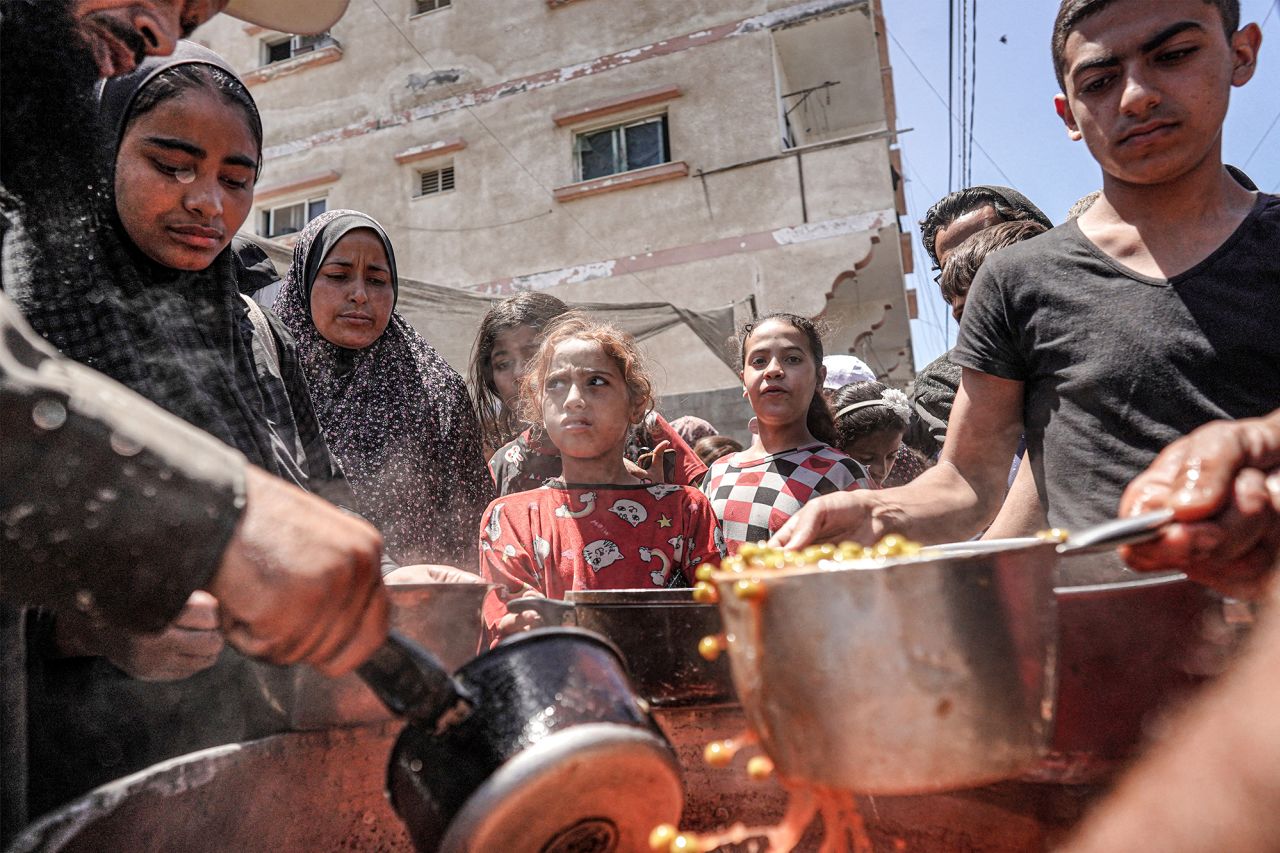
442,617
657,632
538,745
920,674
909,675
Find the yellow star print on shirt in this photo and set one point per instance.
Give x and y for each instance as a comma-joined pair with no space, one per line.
663,521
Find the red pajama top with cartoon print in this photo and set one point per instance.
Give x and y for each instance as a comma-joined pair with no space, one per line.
560,537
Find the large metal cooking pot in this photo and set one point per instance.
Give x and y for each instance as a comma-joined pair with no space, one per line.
657,631
908,675
915,675
442,617
538,745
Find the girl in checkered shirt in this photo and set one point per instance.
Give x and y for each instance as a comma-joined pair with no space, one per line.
755,491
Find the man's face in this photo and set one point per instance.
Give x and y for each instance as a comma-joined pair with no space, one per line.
121,32
959,229
1147,86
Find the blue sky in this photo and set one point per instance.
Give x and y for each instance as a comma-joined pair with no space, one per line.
1014,123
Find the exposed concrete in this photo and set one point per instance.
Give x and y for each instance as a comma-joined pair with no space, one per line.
751,218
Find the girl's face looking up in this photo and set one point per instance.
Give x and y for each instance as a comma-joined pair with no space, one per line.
184,178
352,296
586,405
779,374
512,349
876,451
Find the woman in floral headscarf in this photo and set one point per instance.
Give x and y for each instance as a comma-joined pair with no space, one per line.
393,411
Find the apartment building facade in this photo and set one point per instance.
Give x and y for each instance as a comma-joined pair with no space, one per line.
701,153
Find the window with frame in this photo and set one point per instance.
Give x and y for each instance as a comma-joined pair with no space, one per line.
622,148
435,181
290,218
421,7
288,48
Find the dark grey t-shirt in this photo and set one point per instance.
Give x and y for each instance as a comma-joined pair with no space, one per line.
1117,365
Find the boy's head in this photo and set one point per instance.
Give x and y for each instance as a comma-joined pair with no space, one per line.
1072,12
957,215
962,266
1146,84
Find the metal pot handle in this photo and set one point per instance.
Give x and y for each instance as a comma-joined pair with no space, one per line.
553,612
1112,534
413,684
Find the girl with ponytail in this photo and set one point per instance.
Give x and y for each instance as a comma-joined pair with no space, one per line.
754,492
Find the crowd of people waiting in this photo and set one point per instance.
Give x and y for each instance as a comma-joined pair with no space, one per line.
155,534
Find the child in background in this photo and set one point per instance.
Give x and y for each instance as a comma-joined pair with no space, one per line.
508,338
599,526
713,448
754,492
871,420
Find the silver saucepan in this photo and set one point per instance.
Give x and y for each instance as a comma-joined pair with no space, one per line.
907,675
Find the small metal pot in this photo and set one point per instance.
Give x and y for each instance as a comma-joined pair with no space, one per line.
537,746
657,632
443,617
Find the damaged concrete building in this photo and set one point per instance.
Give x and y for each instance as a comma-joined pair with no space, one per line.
709,154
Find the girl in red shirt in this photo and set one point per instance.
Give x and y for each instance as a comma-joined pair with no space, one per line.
598,526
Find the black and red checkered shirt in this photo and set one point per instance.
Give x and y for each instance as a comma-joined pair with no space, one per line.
753,499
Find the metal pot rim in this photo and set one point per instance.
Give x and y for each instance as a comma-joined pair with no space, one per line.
538,635
633,597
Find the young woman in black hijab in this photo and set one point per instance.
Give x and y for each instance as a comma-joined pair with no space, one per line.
158,310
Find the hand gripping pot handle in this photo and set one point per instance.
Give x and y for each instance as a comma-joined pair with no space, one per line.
413,684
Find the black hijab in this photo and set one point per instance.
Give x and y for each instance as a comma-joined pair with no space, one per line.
178,338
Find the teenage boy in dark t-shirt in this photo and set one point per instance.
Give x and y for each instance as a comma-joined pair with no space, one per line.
1152,313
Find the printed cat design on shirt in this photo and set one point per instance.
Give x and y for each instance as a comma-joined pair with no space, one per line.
661,490
494,528
514,455
629,511
601,554
718,535
588,501
677,547
659,577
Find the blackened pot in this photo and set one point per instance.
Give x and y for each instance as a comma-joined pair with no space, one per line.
657,631
557,755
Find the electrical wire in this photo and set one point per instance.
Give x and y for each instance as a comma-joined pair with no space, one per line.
951,79
942,100
973,89
1258,147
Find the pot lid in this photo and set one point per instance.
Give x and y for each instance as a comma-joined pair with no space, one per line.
593,788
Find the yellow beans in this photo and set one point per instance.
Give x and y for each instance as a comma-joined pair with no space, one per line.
749,589
661,837
717,754
711,646
705,593
685,843
759,768
704,572
1056,535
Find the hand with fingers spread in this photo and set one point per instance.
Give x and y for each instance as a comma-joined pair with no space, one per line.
1223,483
300,580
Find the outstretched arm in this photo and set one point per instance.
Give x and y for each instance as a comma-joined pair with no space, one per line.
952,501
